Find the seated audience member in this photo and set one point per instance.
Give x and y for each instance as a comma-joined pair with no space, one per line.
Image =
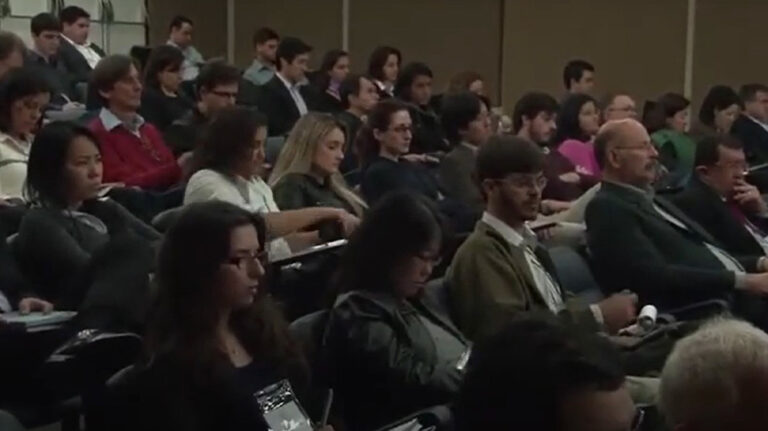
751,127
466,81
230,160
577,124
181,37
217,86
69,225
667,123
161,101
285,98
262,70
501,270
132,149
358,97
467,126
579,77
715,379
307,171
720,200
382,142
11,52
540,374
43,57
414,86
644,243
618,106
77,55
392,353
719,109
534,119
23,96
333,70
215,336
384,68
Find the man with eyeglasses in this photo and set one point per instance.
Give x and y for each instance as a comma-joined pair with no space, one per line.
618,106
501,271
645,243
721,201
217,87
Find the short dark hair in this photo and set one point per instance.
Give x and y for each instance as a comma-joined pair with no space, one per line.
504,155
748,92
178,21
9,42
47,161
229,138
109,71
530,105
462,80
378,119
656,114
290,48
18,84
568,126
458,110
70,14
708,149
350,86
161,58
379,58
574,71
518,378
409,74
216,73
719,97
264,35
44,22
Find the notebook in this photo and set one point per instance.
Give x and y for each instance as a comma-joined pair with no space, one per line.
33,320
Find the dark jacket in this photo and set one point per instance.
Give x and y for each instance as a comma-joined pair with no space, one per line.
162,110
55,76
458,177
635,248
427,132
185,133
276,103
352,124
328,103
556,164
74,63
381,176
754,137
296,191
703,205
385,359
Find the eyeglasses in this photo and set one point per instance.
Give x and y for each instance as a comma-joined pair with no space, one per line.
525,181
261,257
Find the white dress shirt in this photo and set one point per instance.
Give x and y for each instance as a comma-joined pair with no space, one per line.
253,195
293,89
91,56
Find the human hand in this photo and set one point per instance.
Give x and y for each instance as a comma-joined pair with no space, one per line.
30,304
619,310
347,221
185,161
570,177
756,283
749,197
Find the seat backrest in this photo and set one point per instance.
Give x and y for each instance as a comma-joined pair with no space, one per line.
163,221
272,148
308,331
574,273
8,422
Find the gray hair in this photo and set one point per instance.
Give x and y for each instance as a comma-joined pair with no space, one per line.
707,374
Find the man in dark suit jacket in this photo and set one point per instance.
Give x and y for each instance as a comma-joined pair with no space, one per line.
77,54
752,125
285,98
720,200
645,243
500,271
358,96
42,58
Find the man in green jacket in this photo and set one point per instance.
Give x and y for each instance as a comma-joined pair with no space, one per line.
501,271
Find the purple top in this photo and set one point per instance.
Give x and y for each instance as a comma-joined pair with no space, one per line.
582,155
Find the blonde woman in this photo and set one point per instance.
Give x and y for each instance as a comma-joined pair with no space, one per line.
307,171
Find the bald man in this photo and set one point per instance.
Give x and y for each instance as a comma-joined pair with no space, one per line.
644,243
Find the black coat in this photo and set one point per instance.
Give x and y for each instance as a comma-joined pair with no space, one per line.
427,132
703,205
275,101
635,248
161,110
74,63
55,76
754,138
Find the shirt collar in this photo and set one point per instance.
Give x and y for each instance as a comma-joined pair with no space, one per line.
86,44
110,121
288,85
21,145
259,65
173,44
755,120
518,238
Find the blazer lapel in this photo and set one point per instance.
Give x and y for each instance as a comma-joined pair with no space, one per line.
693,227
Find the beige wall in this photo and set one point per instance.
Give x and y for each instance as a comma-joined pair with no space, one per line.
209,16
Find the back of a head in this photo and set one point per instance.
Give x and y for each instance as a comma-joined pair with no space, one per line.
9,42
216,73
458,110
228,139
716,378
505,155
574,70
70,14
409,73
290,48
568,124
518,378
719,97
379,58
44,22
530,105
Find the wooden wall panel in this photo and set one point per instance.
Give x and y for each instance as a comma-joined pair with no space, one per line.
209,16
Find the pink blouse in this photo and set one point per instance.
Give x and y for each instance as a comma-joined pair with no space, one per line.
582,155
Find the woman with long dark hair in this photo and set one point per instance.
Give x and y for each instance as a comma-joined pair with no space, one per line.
719,110
384,67
215,337
391,353
577,124
161,101
334,68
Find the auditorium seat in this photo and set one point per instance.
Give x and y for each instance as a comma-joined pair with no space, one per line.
574,274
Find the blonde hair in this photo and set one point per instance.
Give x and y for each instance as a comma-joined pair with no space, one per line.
298,154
